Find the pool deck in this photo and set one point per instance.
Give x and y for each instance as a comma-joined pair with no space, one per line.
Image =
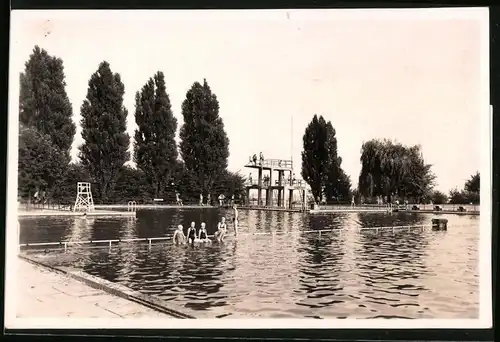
49,212
378,210
42,293
132,213
155,206
40,282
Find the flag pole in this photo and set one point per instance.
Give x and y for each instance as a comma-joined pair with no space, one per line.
291,141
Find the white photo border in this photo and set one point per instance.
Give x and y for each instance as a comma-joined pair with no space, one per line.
485,267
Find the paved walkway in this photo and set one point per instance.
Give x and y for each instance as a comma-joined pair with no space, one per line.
47,294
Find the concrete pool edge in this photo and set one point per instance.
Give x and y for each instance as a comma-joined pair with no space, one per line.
114,289
96,213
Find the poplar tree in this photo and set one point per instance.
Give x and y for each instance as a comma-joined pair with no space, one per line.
46,126
155,149
43,102
204,143
104,124
321,165
337,184
315,156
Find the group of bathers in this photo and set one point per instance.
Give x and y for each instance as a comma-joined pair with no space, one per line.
201,236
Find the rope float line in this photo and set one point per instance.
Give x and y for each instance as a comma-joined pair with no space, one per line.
274,233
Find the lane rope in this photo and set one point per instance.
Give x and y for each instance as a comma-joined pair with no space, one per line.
149,241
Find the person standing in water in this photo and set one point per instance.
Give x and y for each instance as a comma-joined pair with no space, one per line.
220,234
179,238
191,233
235,220
178,199
202,234
201,199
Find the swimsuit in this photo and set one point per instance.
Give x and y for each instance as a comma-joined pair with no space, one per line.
178,238
203,234
192,234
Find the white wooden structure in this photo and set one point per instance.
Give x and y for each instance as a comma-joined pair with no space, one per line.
84,201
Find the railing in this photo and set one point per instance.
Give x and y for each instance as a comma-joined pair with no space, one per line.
284,182
424,207
296,204
25,205
272,163
109,243
131,206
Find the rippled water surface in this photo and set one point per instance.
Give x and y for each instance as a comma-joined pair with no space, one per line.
408,274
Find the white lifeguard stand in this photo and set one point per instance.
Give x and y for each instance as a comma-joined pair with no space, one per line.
84,201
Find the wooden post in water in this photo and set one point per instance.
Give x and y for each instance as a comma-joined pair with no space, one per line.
270,189
280,183
247,200
259,190
304,205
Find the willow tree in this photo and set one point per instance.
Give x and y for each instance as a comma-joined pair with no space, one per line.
389,168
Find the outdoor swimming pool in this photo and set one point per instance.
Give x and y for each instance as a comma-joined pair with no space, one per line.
415,274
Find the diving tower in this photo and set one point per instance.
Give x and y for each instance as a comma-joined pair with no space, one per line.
284,184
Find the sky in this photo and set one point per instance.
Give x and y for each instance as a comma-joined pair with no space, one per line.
405,75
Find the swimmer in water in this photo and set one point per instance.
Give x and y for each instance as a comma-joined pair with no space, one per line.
235,220
202,234
179,238
191,233
220,234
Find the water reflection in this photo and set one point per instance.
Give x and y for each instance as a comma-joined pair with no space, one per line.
389,267
80,230
415,274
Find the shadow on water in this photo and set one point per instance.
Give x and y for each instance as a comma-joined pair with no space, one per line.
366,220
415,274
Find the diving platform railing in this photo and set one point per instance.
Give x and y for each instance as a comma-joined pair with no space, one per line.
299,183
109,243
277,164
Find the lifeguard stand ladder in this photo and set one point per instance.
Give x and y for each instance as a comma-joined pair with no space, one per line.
84,201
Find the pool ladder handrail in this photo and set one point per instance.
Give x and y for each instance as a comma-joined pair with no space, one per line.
132,206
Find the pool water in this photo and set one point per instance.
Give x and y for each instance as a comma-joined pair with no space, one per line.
418,273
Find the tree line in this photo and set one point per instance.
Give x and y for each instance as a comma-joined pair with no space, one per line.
198,165
389,171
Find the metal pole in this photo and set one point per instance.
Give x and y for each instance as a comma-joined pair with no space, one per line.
291,141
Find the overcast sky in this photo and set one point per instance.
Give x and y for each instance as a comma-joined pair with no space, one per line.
414,78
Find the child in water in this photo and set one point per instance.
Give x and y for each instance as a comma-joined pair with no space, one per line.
221,230
179,238
202,234
191,233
